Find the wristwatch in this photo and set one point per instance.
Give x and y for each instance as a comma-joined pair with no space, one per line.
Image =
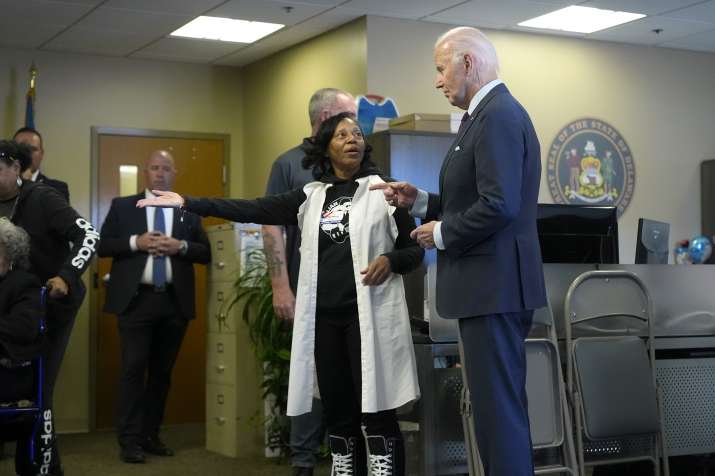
183,247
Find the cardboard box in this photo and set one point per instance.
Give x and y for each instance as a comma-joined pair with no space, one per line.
422,122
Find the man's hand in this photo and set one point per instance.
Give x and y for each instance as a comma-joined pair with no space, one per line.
376,272
398,194
148,241
284,302
167,246
57,287
164,199
424,235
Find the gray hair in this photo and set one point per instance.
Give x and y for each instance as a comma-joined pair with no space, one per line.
465,39
320,100
15,243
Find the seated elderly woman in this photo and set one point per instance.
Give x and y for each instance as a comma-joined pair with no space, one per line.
351,323
20,315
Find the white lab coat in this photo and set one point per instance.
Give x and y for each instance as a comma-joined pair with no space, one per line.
389,371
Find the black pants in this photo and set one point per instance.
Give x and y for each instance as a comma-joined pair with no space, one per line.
59,321
337,363
150,335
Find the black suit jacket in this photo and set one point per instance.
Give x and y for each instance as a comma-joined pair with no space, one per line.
58,185
488,191
123,220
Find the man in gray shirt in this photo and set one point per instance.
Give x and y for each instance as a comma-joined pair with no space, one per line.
283,259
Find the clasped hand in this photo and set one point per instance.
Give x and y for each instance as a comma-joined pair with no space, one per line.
158,244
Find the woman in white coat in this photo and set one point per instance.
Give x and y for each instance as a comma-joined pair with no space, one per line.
351,322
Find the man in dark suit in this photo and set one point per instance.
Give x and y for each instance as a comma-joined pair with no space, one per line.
483,224
151,289
33,140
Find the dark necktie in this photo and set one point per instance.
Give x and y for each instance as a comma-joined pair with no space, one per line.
463,124
159,268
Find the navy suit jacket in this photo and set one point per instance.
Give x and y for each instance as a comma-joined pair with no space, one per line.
123,220
488,192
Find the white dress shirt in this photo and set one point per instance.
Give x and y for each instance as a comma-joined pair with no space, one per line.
147,276
419,208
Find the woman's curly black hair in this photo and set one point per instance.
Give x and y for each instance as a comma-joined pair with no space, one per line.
316,148
10,151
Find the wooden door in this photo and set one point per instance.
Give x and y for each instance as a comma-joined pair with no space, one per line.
200,172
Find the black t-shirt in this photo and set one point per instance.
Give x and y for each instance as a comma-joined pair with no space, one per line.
336,281
7,207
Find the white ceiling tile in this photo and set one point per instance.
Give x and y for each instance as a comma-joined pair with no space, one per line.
493,13
641,31
133,21
323,3
701,42
267,11
107,42
92,3
647,7
181,7
43,12
702,12
183,49
412,9
290,36
249,54
22,35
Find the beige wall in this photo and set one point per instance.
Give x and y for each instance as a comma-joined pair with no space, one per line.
661,100
77,92
277,90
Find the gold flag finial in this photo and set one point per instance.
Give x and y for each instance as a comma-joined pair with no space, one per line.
33,77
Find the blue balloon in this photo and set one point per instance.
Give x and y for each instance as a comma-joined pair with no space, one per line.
700,249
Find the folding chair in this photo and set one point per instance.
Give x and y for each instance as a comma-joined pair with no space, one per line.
31,409
611,371
549,416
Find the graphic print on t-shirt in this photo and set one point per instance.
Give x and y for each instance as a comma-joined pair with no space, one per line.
335,219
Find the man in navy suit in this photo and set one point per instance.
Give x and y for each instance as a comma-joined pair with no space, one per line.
33,140
151,288
483,224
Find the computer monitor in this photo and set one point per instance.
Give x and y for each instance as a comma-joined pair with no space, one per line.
652,242
578,233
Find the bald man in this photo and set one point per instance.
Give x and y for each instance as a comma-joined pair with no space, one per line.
483,224
151,290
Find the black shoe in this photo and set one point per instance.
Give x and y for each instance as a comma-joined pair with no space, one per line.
132,454
387,456
302,471
348,455
156,447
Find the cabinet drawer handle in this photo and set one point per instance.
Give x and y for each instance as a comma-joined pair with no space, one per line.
220,368
219,399
220,265
220,420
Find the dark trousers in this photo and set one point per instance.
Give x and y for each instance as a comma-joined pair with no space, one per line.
59,322
495,364
337,363
150,335
307,431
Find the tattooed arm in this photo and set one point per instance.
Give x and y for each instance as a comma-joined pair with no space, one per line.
275,249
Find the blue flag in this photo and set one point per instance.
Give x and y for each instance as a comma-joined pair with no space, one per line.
30,99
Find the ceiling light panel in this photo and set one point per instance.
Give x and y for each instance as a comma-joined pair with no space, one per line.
226,29
579,19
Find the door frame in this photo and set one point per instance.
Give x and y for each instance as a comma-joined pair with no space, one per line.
96,132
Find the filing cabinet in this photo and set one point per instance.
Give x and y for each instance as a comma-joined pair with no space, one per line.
234,405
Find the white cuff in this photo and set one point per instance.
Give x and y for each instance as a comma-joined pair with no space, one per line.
437,235
419,208
133,243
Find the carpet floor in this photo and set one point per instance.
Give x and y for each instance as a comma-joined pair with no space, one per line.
97,453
